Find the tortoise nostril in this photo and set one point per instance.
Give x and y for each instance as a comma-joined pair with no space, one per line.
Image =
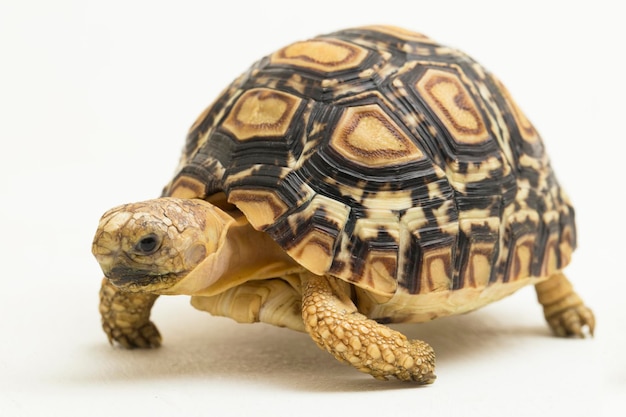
148,244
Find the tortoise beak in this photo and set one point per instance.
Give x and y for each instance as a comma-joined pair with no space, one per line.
111,260
123,277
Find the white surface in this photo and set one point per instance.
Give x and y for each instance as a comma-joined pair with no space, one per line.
95,99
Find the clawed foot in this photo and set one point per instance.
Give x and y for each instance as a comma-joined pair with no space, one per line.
145,336
572,322
336,326
126,317
407,360
564,310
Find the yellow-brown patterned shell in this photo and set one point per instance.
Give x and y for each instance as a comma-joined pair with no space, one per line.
383,158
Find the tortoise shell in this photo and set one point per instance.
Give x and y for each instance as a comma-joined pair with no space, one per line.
383,158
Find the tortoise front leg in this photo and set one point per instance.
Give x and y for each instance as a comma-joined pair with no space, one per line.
564,310
126,317
335,325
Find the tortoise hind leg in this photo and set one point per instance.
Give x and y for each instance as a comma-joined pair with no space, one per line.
336,326
564,310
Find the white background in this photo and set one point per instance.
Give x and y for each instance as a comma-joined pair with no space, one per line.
95,100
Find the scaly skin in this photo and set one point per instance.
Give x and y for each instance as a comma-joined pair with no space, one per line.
335,325
126,317
564,310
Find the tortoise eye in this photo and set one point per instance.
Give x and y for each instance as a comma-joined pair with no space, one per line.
148,244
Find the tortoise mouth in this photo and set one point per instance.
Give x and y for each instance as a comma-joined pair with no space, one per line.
134,280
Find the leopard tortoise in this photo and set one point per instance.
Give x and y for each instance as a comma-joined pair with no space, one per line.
362,177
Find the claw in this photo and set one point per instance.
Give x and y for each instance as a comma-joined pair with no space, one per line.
564,310
145,336
573,321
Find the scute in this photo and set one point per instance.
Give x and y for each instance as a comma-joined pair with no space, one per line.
367,136
260,113
380,157
324,55
453,105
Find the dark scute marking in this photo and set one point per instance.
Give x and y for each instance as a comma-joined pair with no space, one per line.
253,198
514,233
568,222
467,202
479,234
289,234
383,237
360,249
410,278
261,177
204,174
323,245
323,223
515,263
293,189
544,231
461,261
336,267
270,155
219,147
443,241
183,180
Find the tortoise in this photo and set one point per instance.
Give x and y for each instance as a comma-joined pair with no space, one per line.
356,179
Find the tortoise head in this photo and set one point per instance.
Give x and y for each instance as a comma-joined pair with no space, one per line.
152,245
